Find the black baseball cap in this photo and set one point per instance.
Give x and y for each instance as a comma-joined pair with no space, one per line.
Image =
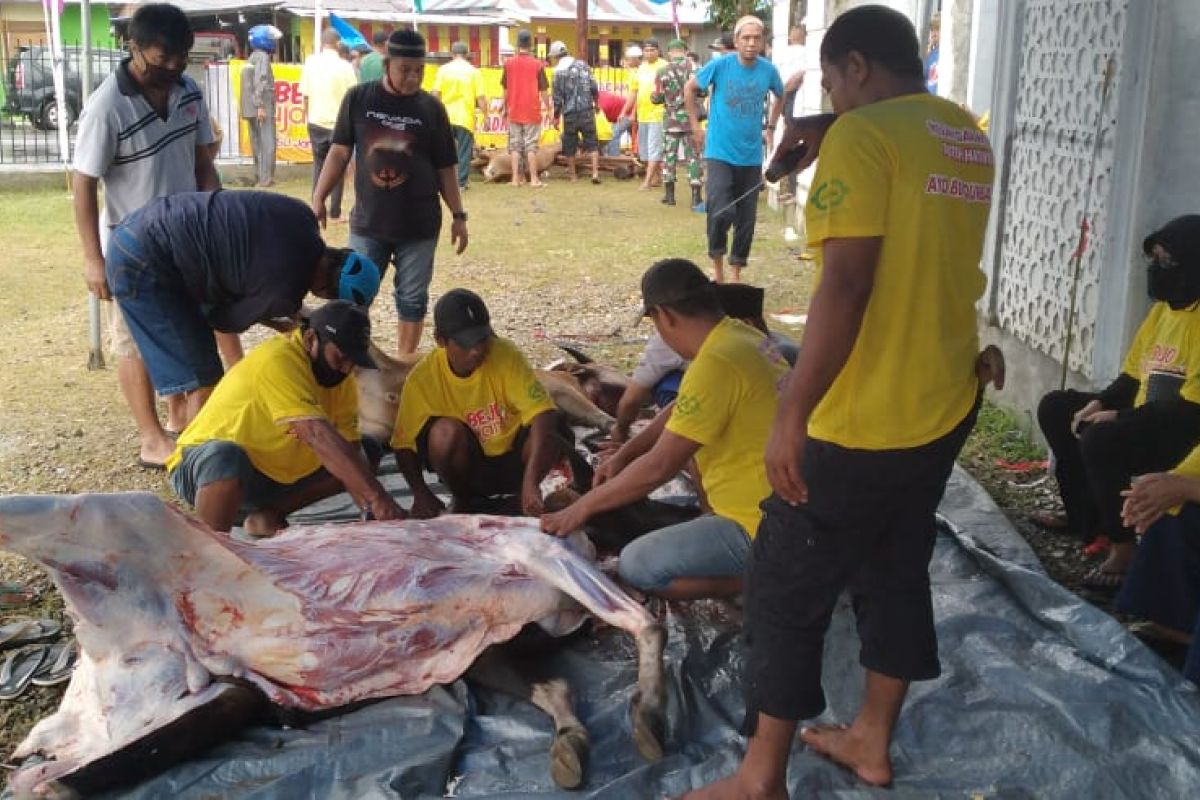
672,280
722,43
461,316
348,326
741,300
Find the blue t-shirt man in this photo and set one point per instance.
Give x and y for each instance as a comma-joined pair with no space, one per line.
735,115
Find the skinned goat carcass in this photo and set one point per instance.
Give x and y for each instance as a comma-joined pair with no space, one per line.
168,613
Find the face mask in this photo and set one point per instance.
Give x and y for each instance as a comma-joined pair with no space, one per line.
1171,285
159,76
323,371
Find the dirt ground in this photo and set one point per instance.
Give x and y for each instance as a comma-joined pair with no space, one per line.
556,264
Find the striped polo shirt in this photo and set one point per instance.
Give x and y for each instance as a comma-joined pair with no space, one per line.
137,154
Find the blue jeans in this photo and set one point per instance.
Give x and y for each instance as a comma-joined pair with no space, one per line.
172,334
464,143
618,130
219,460
414,270
710,546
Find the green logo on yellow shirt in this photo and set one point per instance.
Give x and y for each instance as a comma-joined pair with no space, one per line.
536,391
686,405
829,194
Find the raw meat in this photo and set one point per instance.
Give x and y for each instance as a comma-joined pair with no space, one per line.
317,617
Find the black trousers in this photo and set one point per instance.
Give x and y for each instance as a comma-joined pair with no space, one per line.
725,183
869,526
321,140
1095,468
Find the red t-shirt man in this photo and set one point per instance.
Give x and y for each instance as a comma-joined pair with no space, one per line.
524,81
611,104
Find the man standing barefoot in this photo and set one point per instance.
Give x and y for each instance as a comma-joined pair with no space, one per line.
876,409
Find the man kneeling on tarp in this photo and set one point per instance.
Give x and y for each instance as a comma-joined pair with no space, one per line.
281,430
722,417
474,412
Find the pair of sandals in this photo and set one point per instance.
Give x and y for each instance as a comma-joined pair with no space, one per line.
36,662
16,595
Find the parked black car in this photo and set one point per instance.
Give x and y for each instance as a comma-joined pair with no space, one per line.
29,86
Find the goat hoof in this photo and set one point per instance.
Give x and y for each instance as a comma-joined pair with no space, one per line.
569,757
649,730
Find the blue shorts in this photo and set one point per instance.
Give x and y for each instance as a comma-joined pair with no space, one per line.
414,270
219,460
650,141
167,324
710,546
667,389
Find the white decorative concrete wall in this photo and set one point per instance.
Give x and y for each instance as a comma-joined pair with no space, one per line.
1054,148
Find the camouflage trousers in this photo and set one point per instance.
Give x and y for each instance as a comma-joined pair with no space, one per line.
672,142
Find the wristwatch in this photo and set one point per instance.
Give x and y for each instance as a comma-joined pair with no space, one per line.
459,216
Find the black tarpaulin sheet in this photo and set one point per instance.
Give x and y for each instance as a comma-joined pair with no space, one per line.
1041,695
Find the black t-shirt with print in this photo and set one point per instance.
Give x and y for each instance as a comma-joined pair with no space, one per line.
400,143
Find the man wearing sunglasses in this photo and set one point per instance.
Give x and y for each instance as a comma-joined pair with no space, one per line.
193,263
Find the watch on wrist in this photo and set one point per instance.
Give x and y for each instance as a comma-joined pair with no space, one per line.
459,216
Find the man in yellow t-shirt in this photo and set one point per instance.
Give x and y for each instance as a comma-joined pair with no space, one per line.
649,115
876,409
474,412
721,417
280,430
459,85
324,81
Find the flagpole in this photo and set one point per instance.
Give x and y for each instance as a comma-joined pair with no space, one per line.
675,17
318,12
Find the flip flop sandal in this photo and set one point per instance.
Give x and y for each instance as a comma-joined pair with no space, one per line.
16,595
58,666
18,670
1098,578
28,631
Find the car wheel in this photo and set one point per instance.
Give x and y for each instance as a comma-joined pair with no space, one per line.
49,115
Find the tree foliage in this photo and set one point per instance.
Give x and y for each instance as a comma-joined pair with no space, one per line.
726,12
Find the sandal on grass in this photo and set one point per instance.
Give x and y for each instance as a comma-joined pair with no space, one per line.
28,631
58,665
18,670
16,595
1098,578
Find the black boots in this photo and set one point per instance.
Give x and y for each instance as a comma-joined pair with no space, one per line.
669,193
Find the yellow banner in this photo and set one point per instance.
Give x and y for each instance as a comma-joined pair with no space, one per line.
291,127
291,130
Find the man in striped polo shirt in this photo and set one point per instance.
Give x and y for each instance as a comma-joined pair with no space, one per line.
145,133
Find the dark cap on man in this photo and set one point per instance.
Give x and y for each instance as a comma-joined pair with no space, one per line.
651,42
346,325
722,43
406,43
461,316
524,39
671,281
741,300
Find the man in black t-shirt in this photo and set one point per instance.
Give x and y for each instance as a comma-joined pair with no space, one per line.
405,155
188,264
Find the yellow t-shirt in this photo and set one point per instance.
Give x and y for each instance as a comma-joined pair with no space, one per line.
458,83
255,401
726,404
642,82
1190,466
495,401
916,171
1165,354
324,81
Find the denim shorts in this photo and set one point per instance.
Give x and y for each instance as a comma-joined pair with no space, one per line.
650,141
170,329
414,270
710,546
219,460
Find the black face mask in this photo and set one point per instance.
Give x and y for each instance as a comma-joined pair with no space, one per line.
323,371
1171,284
158,76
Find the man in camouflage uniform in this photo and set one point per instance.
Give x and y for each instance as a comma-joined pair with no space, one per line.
677,130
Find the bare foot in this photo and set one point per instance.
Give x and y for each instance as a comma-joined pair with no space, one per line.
989,367
736,787
538,184
864,757
264,523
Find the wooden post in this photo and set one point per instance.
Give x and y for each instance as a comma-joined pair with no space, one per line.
581,30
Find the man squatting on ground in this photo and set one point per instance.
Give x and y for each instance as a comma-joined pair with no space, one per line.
734,143
188,264
473,412
669,87
145,132
876,409
281,430
405,156
721,417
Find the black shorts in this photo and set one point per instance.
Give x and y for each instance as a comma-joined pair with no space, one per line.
579,132
493,475
869,526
